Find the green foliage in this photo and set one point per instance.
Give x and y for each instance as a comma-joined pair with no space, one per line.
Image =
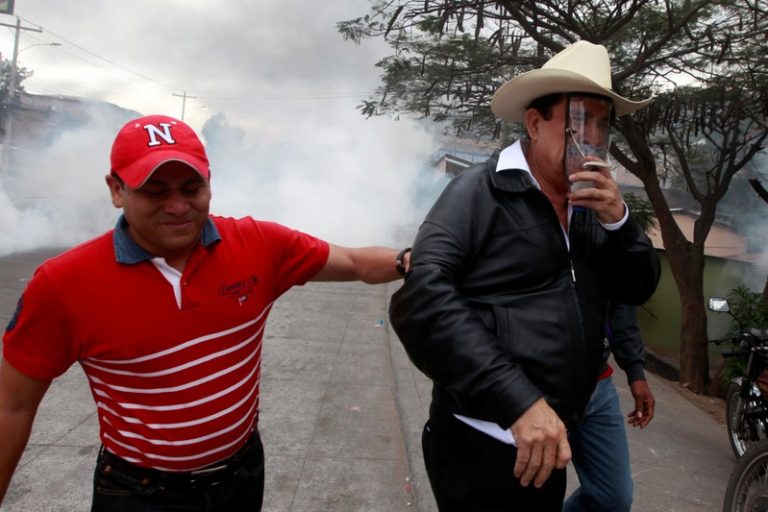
748,308
749,311
357,29
732,367
22,74
421,77
460,52
431,25
642,211
707,133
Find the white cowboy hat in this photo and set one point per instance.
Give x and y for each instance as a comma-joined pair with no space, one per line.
580,67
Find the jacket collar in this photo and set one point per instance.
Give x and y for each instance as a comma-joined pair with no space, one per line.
509,171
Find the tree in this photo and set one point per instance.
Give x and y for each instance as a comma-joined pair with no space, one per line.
763,194
449,56
22,74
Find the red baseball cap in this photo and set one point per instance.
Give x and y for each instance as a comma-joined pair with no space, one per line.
146,143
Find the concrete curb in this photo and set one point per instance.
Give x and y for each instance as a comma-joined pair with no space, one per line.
661,366
412,399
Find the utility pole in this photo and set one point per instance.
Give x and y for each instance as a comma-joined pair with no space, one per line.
184,102
11,99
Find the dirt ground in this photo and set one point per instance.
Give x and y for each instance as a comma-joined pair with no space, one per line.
713,406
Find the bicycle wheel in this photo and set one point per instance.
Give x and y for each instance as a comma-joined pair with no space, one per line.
747,489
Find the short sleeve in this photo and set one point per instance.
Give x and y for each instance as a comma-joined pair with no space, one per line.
38,341
296,256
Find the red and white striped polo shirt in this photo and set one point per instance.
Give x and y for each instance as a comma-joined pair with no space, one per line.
176,383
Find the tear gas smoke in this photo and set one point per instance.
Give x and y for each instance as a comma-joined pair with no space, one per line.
292,148
356,183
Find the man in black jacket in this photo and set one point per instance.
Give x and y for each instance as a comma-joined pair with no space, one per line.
505,301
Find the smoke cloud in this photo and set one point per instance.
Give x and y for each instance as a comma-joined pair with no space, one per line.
277,113
349,187
57,196
351,182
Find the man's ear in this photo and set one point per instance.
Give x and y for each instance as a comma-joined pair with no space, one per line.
532,118
116,189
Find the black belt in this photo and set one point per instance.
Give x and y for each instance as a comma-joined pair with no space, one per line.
209,475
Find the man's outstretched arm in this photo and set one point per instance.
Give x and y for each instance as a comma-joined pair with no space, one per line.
20,395
368,264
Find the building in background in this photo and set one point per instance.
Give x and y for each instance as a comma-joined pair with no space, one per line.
39,119
6,6
454,155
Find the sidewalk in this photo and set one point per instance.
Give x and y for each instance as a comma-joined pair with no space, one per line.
341,418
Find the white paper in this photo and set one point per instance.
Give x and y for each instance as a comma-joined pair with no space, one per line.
489,428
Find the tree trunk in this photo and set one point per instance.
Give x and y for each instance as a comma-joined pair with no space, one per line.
763,193
694,356
686,260
765,291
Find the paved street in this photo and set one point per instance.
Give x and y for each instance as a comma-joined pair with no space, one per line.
341,418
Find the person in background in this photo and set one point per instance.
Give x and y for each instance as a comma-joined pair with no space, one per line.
165,313
599,440
504,306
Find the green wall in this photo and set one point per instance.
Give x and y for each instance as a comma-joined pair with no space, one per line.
659,318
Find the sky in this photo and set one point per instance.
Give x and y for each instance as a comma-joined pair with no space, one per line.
274,83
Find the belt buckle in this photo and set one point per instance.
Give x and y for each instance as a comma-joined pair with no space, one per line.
207,471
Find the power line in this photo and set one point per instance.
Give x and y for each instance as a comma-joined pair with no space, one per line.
267,96
294,96
93,54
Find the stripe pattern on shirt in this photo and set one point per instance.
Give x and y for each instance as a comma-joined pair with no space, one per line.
184,407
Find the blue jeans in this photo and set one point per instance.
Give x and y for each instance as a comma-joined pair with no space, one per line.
601,455
120,486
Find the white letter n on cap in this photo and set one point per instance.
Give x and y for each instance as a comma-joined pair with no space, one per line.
154,132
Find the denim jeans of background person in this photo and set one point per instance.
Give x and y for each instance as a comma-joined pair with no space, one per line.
505,304
165,314
601,455
599,439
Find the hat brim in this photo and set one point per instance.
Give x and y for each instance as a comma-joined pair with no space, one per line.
512,99
136,174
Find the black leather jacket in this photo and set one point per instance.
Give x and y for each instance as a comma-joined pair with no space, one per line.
625,342
490,309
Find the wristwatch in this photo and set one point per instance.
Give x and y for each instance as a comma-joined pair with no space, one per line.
399,266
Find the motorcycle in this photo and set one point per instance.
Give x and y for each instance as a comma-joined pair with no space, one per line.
748,485
746,401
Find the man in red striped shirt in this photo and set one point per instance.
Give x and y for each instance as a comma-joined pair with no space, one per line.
165,313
